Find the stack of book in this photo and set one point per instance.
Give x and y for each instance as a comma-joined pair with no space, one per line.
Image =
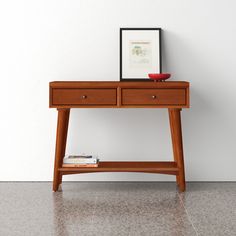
80,161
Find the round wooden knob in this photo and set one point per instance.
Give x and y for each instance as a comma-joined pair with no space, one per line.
84,97
154,96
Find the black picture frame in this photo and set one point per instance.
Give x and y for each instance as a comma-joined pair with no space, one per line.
159,30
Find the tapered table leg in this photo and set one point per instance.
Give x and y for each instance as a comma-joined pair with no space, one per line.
177,143
62,128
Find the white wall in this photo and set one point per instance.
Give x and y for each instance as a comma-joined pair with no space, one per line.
48,40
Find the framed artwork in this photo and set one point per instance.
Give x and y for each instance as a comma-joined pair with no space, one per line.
140,53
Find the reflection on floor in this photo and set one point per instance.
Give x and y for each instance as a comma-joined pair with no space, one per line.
110,209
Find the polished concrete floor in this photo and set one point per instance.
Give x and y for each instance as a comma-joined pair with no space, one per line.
110,209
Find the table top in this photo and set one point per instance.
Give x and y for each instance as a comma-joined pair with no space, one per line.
122,84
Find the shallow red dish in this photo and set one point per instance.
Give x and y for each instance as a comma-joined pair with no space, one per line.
159,76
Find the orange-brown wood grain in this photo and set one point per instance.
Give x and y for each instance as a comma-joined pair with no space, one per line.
61,136
119,94
153,97
64,95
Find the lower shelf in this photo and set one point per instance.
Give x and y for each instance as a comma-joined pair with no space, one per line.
167,167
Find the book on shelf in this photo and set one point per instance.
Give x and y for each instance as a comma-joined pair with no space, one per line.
79,165
80,161
79,156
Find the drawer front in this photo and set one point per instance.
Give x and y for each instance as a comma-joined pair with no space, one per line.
84,97
153,97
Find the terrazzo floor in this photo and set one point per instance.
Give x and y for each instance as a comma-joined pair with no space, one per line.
110,209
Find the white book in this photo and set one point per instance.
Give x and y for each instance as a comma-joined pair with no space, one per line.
80,160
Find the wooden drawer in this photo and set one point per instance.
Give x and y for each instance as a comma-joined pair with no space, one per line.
83,96
153,97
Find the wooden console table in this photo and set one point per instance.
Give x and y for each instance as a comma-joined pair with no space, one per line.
171,95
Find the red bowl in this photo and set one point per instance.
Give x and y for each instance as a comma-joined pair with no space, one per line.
159,76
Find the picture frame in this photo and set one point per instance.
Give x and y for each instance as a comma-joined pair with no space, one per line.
140,53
